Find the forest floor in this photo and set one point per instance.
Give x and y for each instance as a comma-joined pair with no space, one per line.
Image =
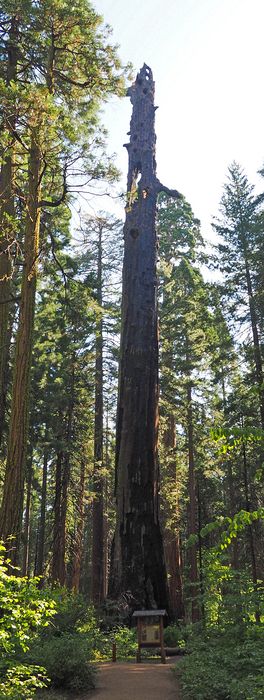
132,681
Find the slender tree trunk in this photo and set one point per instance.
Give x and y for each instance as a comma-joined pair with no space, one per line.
78,545
138,564
172,536
106,503
5,371
61,495
12,505
98,575
200,551
59,547
26,536
7,225
231,490
40,553
250,529
58,571
193,529
254,326
231,487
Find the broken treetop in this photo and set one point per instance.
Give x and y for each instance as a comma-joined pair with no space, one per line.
141,149
142,145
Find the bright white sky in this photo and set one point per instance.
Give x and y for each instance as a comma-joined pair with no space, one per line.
207,58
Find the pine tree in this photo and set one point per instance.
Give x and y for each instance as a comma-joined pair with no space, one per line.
238,228
183,319
76,69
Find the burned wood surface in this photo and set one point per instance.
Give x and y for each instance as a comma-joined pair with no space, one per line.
138,566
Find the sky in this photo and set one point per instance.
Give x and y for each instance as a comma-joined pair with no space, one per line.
207,58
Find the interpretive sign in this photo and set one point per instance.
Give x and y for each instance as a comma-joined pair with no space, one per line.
150,631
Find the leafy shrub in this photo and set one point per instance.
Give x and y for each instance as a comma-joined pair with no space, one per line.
173,636
24,611
225,666
72,612
66,659
22,682
126,642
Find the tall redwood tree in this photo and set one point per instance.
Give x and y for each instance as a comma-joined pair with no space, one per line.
138,566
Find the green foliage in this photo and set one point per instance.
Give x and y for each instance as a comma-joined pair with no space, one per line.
72,614
66,659
126,642
67,645
24,611
173,636
22,681
227,666
234,526
232,438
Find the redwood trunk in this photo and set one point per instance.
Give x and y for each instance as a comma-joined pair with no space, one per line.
25,563
138,565
7,213
12,504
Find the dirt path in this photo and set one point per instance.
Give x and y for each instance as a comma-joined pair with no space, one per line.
131,681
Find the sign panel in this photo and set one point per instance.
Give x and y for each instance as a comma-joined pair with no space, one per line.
150,633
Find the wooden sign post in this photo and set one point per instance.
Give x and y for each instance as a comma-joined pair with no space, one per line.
150,631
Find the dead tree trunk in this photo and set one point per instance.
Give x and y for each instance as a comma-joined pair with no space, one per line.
138,565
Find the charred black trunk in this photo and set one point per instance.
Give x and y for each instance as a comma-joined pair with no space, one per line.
138,566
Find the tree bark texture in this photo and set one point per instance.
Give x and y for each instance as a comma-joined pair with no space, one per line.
7,212
58,567
234,558
26,535
63,469
98,560
250,529
138,564
61,500
40,553
193,525
12,504
172,536
256,342
78,544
